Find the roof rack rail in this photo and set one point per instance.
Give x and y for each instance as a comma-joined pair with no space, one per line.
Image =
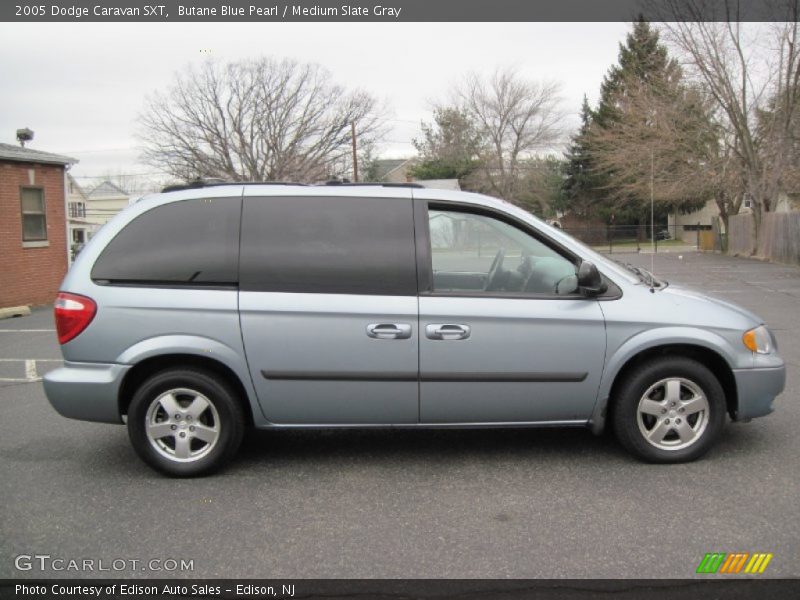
177,187
374,183
205,184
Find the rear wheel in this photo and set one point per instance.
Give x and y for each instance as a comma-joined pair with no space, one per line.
183,422
670,409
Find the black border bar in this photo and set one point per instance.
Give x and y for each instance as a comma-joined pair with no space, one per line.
392,11
730,588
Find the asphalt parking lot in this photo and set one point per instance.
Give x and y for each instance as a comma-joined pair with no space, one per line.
486,503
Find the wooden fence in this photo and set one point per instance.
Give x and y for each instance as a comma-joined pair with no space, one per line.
778,239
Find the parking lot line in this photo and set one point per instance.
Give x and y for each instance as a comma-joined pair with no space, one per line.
31,359
31,374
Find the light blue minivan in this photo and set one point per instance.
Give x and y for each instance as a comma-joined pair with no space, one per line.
199,312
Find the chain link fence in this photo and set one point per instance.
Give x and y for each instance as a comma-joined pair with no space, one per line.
639,238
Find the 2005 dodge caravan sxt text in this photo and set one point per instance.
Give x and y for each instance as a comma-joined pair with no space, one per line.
196,313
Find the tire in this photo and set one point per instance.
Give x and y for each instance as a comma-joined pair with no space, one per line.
669,410
201,431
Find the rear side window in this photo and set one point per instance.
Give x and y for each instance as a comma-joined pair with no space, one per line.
191,242
328,245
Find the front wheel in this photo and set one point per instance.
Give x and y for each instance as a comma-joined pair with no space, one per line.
184,423
669,410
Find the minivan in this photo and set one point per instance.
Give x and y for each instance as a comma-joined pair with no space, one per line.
198,313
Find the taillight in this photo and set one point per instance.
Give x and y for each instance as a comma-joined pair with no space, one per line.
73,315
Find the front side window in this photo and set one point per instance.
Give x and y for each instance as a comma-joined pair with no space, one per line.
34,219
336,245
476,253
191,242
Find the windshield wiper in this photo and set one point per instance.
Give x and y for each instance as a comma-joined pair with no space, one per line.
643,274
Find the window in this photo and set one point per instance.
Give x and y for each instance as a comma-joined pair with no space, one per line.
191,242
77,210
34,218
335,245
479,254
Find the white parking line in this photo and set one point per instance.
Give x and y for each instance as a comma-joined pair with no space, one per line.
30,370
33,359
31,374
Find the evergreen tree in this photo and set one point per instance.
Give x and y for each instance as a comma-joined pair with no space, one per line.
449,148
579,189
642,59
643,64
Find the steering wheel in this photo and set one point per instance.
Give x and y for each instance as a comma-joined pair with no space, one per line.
495,270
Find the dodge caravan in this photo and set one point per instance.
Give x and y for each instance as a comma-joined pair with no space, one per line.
197,313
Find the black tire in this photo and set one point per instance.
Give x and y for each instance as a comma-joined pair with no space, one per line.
632,422
224,418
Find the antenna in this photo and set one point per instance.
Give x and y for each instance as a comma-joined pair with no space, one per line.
652,219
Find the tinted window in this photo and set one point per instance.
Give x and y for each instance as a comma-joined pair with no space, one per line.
479,254
192,242
328,245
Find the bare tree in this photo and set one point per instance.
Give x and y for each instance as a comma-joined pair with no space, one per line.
257,120
757,102
664,143
517,119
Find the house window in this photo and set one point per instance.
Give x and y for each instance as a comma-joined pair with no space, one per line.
34,220
77,210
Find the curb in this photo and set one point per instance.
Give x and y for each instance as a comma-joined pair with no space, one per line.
14,311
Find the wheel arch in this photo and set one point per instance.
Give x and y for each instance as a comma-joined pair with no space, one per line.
708,357
148,367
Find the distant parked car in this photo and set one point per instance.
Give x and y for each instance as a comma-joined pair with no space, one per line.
196,313
664,234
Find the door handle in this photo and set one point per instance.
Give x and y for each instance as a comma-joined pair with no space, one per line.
389,331
447,331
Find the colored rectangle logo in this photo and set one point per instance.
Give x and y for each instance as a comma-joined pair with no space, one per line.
733,563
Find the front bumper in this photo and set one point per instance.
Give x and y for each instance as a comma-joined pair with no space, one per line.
756,390
86,391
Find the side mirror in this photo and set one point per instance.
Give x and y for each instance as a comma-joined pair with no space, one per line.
590,283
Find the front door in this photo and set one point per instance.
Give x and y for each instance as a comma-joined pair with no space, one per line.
328,307
504,335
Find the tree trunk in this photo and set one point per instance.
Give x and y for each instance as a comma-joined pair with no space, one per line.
756,208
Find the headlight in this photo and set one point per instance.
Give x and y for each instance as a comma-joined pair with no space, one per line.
758,340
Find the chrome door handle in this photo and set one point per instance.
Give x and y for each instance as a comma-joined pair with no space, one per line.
447,331
389,331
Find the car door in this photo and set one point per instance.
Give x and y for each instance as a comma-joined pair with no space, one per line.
504,335
328,306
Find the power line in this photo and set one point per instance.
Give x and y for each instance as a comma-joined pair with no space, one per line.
116,175
96,150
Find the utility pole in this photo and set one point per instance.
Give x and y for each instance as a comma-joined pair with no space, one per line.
355,156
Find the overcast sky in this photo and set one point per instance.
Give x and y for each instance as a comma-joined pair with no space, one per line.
79,86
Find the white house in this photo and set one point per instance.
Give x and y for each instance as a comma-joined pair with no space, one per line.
80,228
685,226
105,201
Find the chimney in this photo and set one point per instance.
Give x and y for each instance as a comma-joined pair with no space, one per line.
24,135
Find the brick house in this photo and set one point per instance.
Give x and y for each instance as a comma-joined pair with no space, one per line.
33,225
